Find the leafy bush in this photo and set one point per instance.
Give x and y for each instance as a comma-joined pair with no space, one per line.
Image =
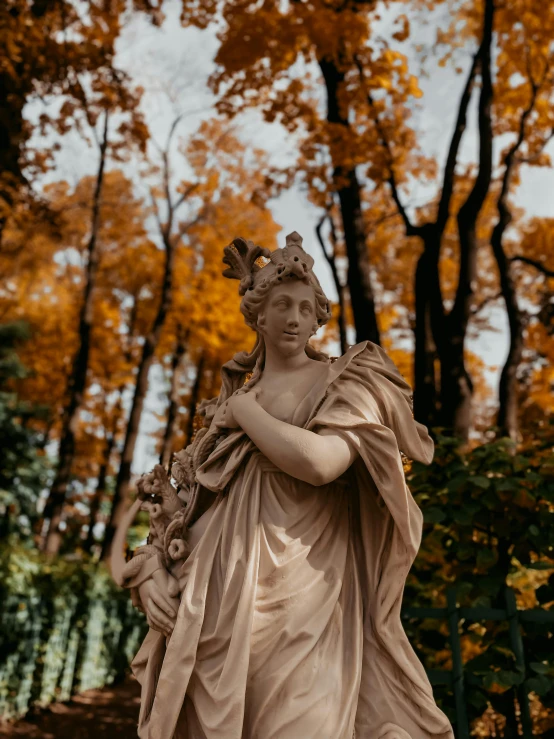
489,522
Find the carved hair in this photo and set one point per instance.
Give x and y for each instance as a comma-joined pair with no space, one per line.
256,281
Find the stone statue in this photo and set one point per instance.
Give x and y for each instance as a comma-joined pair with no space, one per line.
273,574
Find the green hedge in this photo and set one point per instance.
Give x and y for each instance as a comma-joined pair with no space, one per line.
65,627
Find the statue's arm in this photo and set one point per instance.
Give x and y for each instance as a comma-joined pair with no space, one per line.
315,458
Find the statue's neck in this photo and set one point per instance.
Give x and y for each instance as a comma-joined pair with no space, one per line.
276,364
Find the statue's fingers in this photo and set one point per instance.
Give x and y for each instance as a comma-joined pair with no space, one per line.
157,614
159,627
163,602
153,625
173,590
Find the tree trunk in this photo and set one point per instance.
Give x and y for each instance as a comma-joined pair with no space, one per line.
194,398
121,491
12,136
99,492
172,411
456,386
331,261
52,513
170,242
429,329
426,281
359,280
507,418
103,475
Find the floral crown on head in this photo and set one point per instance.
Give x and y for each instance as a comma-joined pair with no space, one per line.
245,260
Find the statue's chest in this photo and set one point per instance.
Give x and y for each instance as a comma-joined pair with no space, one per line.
282,404
282,399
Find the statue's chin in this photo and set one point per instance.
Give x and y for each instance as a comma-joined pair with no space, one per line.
289,346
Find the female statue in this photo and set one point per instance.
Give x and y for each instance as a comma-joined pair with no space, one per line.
273,574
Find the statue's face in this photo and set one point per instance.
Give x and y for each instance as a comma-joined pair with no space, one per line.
288,316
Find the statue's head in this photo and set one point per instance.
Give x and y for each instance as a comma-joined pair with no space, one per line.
282,301
281,296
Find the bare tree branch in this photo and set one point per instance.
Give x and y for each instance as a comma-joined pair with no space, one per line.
470,209
533,263
172,130
331,261
411,229
533,157
452,157
510,158
507,416
185,195
201,216
483,304
156,210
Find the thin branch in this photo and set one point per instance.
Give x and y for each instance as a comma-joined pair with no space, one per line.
156,146
411,229
166,177
329,257
174,125
156,211
179,118
533,263
378,221
533,157
183,228
167,193
452,157
185,195
331,261
510,158
470,209
483,304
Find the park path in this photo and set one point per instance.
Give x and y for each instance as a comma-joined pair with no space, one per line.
106,713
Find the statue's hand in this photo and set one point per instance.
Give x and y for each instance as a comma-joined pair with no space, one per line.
160,608
224,418
226,415
155,487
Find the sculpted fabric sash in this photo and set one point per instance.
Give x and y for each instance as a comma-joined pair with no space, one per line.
369,404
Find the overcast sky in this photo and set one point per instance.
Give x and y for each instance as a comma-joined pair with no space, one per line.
182,59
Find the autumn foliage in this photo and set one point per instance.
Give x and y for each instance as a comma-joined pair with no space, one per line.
115,278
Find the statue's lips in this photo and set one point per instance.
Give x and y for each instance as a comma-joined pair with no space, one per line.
289,333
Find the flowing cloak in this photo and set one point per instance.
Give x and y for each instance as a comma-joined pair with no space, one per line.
289,622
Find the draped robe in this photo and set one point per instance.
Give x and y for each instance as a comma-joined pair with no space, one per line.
289,619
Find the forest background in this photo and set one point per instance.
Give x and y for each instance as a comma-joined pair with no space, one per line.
409,142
